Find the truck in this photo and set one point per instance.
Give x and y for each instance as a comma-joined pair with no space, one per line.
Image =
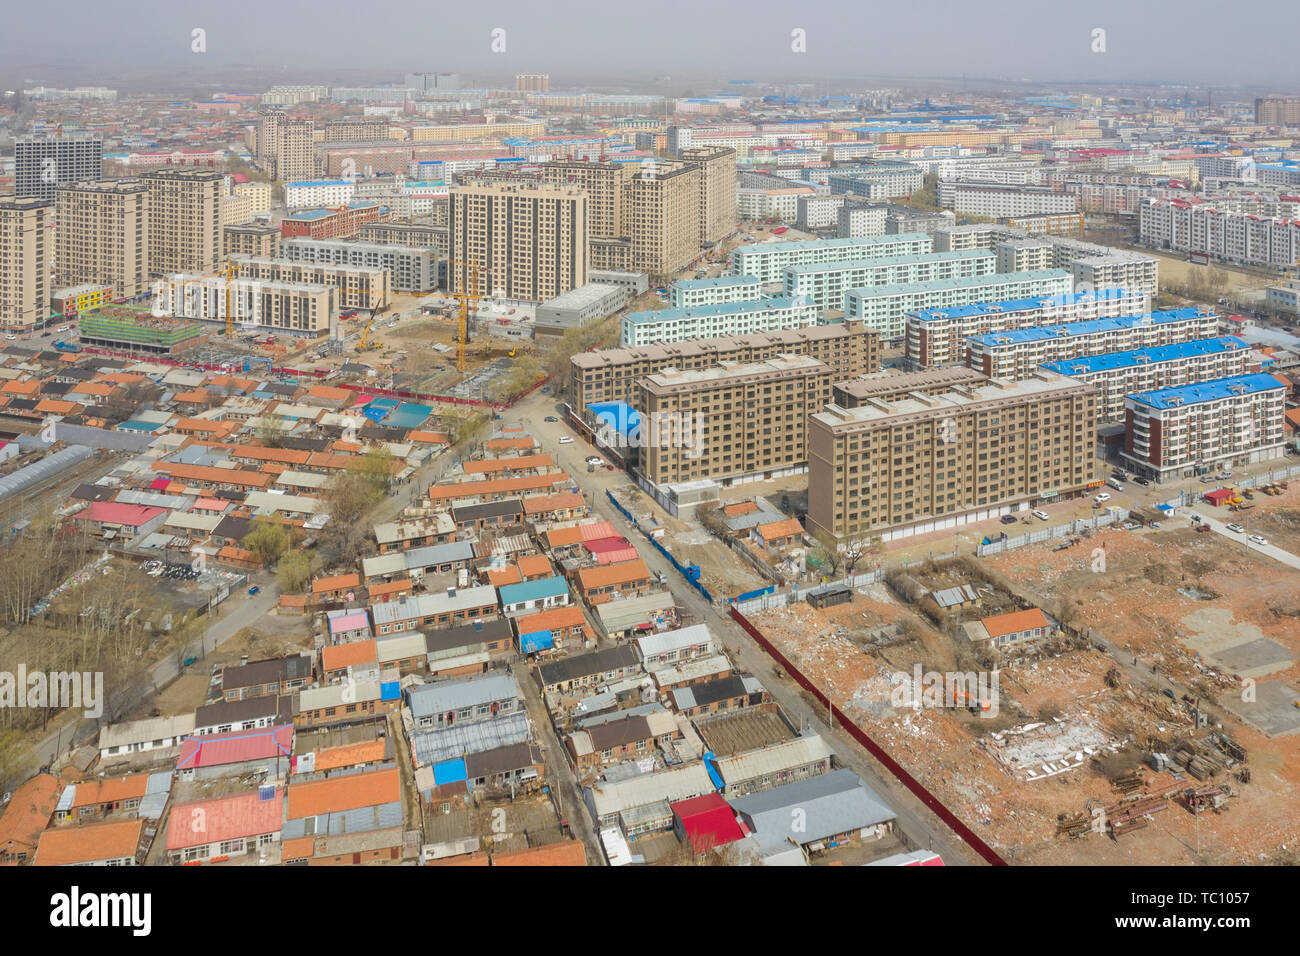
63,346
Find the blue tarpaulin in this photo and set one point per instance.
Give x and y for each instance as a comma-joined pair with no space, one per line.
390,690
450,771
536,641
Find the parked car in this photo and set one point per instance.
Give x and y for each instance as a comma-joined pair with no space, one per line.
594,460
1102,497
1144,482
550,418
253,590
1041,515
1009,519
566,440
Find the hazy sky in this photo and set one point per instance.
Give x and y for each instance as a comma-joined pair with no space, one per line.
1193,41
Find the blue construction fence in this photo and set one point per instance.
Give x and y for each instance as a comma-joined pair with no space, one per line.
690,572
750,595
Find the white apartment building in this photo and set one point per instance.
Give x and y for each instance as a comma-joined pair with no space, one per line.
883,308
319,193
767,261
1179,432
819,212
412,269
827,282
1017,353
693,293
1194,227
856,221
711,321
996,201
938,336
1023,255
1117,375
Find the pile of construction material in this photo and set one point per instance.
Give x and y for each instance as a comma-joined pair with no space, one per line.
1204,759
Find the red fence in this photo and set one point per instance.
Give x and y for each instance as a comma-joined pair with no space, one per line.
930,800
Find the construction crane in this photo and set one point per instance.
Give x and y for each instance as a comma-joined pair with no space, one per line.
465,298
365,345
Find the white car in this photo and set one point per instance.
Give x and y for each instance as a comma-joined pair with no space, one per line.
1236,528
1259,539
594,459
566,440
1041,515
1102,497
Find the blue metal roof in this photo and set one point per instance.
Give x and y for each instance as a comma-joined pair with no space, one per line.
1069,329
318,182
536,641
620,416
1017,305
1112,361
1208,391
533,590
450,771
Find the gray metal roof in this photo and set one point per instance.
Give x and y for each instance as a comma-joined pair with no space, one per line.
455,694
834,802
459,740
37,472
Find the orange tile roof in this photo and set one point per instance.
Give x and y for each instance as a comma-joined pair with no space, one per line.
349,755
329,393
564,853
389,587
491,466
780,529
27,387
740,508
29,811
608,574
205,426
535,565
507,575
538,504
1015,622
287,456
110,790
225,476
429,438
196,396
113,840
576,534
298,848
56,407
352,654
1292,416
552,619
335,794
496,486
336,582
93,388
347,447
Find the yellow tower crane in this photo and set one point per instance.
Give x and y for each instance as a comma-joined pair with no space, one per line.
465,298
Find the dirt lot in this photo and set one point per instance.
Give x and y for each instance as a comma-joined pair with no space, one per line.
1061,733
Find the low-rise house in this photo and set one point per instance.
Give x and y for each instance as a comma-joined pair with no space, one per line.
572,674
609,801
161,734
403,653
358,659
225,716
214,831
469,648
350,702
348,626
669,647
715,696
416,563
347,804
705,823
268,678
534,596
262,752
444,609
563,853
335,588
836,808
625,738
554,629
441,747
114,519
26,815
109,843
404,534
445,703
561,506
488,515
1009,630
632,616
390,590
597,584
503,767
767,767
697,670
778,536
111,796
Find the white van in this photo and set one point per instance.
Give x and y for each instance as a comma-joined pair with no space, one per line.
1115,483
566,440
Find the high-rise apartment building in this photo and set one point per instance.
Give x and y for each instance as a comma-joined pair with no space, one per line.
532,82
528,241
44,163
1277,111
604,185
102,237
295,157
731,421
661,216
921,463
268,137
424,82
184,220
25,249
717,190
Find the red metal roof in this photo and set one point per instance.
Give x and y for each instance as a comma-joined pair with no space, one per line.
708,822
117,512
211,750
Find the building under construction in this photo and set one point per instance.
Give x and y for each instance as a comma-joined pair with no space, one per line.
137,330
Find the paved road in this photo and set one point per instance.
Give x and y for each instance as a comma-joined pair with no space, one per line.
1243,538
921,826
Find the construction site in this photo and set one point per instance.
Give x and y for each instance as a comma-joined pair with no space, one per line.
1157,725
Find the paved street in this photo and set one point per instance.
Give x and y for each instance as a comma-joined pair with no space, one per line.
1243,538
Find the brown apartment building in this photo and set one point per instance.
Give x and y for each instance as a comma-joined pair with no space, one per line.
604,185
661,216
25,253
252,239
888,385
717,203
184,220
730,421
921,463
103,235
849,348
